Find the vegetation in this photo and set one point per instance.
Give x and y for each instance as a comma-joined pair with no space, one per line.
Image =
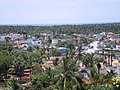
64,74
33,70
61,29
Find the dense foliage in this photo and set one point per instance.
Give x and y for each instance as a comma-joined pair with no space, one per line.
61,29
64,74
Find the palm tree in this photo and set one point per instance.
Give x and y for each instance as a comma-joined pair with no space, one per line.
112,54
98,81
13,85
68,76
79,56
6,60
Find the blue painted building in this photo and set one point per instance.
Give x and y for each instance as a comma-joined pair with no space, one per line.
62,49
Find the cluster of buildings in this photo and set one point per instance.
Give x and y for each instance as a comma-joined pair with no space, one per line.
107,43
106,40
20,41
100,41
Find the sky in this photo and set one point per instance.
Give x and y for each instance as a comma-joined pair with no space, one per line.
59,11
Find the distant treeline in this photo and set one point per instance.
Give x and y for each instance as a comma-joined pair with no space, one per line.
62,29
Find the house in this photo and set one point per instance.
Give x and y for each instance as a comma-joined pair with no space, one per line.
92,47
115,46
34,41
2,38
62,49
103,34
110,33
55,41
29,42
13,36
23,44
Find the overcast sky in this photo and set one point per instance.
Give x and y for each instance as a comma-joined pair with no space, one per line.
59,11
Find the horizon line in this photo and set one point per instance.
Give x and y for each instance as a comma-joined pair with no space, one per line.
57,24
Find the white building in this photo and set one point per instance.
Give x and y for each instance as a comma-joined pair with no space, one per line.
54,41
36,43
2,38
117,46
93,47
103,34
